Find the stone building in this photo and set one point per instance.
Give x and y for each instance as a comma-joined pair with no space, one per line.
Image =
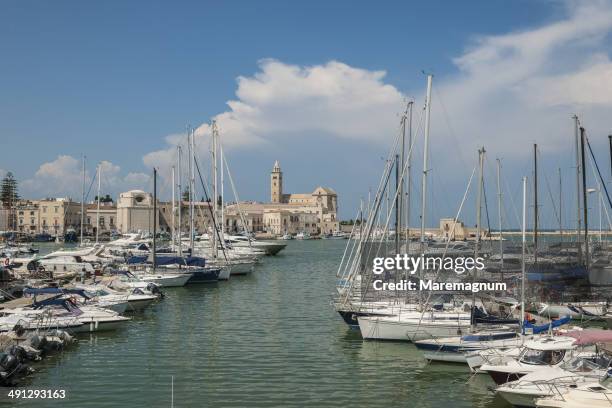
108,218
57,215
28,217
135,211
315,213
202,216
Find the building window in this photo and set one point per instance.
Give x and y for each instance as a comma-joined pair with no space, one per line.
32,221
20,212
88,220
112,221
21,221
56,209
44,209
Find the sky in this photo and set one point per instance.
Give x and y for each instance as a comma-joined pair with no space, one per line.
319,86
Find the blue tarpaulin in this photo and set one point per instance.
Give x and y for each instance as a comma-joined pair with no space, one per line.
544,327
168,260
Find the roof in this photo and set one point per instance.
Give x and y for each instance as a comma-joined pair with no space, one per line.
326,190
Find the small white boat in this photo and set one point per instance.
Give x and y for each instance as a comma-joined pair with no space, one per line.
303,235
593,395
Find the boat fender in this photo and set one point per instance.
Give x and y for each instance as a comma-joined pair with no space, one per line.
7,261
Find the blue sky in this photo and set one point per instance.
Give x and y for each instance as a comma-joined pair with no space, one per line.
114,79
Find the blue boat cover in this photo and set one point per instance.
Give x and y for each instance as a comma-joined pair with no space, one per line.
169,260
544,327
55,291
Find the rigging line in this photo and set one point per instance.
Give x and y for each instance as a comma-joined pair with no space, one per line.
550,194
90,186
603,183
599,196
450,127
484,193
214,222
513,205
448,240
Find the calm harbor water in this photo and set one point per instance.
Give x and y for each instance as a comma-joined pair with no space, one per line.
268,339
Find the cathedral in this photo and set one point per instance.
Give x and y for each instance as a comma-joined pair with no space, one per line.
314,213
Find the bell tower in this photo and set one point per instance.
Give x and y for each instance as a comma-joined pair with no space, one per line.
276,184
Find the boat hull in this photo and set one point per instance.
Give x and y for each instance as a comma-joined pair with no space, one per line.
379,329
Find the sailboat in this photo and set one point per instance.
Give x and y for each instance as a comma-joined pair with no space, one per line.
152,273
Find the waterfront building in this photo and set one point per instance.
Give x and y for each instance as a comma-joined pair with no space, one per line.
135,212
56,215
28,217
202,216
107,215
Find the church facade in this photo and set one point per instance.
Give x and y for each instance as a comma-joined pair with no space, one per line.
314,213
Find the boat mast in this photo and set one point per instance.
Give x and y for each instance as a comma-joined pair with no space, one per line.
154,217
180,201
481,154
399,201
397,204
215,193
499,211
584,198
409,181
523,242
191,189
578,213
610,143
98,210
560,206
535,203
83,200
173,207
425,160
222,194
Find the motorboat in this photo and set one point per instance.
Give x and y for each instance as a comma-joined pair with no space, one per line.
535,354
550,381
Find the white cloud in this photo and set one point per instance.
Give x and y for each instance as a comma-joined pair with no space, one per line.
283,100
524,86
507,91
63,177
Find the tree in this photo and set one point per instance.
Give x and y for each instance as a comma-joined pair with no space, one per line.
104,199
8,191
186,195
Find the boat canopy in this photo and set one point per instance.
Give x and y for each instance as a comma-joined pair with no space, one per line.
55,291
59,301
